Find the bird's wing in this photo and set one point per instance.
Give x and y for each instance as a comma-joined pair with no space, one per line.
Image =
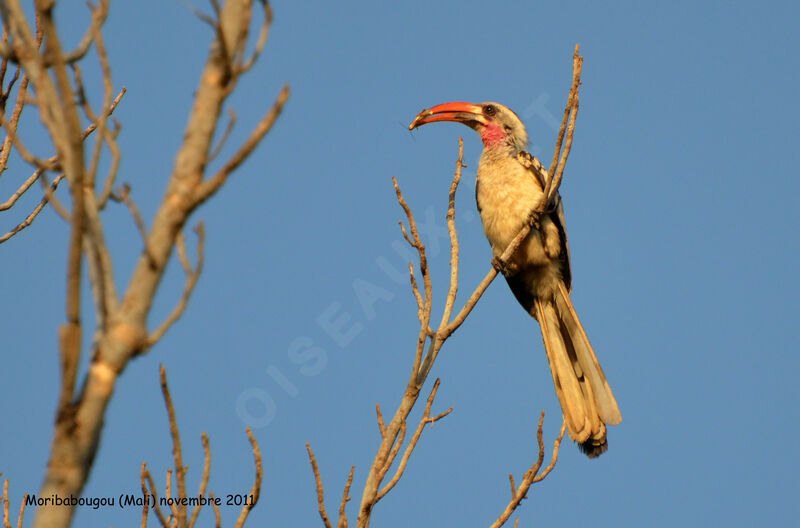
558,218
539,173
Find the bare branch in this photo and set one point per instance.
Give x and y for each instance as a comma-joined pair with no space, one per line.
145,495
217,515
32,216
224,138
210,186
345,500
156,507
6,518
19,104
255,491
188,288
414,287
98,17
22,510
203,480
320,490
52,199
393,452
199,14
79,423
426,419
570,114
99,260
381,427
451,228
518,494
103,134
24,152
554,459
106,113
19,192
262,39
180,469
168,495
124,196
426,278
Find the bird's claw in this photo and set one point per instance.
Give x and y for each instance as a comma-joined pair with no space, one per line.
533,219
503,267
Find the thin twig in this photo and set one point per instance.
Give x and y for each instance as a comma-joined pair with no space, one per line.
209,187
320,490
199,14
107,113
188,288
99,15
255,491
345,500
393,452
168,495
180,469
381,426
145,495
426,278
451,229
203,480
426,419
32,216
225,135
6,519
217,515
124,195
414,287
156,506
568,123
531,477
19,104
21,190
22,510
52,199
262,39
39,163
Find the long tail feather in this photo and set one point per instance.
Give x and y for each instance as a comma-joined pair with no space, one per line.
566,382
606,403
581,386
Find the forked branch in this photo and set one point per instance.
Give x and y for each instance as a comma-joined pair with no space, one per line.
532,475
178,517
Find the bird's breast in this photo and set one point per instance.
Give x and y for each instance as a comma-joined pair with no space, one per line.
506,193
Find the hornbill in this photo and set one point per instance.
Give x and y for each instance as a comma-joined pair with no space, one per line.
510,185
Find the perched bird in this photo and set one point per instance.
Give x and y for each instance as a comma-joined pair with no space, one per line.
510,185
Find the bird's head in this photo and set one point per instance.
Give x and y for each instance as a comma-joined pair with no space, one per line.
498,126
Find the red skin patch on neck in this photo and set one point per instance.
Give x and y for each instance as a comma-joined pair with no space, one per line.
492,135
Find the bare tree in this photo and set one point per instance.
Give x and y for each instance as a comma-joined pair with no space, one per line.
429,341
36,54
178,516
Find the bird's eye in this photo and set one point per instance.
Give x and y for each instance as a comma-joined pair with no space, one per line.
507,128
490,110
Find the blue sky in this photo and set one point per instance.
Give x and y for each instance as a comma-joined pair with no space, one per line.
680,196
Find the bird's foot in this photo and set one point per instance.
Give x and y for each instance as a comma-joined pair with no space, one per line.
533,219
506,268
